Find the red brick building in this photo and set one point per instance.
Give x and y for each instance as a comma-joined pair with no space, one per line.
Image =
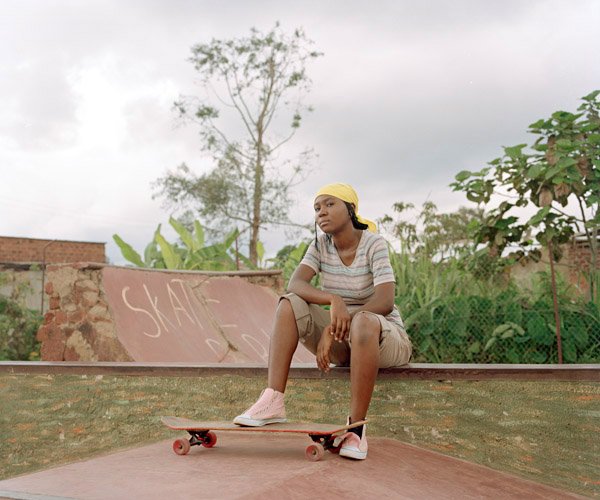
33,250
579,257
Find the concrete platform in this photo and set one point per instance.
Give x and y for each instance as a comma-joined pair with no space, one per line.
273,466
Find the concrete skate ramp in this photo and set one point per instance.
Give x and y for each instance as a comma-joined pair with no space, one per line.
253,467
190,317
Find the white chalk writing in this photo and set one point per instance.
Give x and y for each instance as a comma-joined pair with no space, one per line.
143,311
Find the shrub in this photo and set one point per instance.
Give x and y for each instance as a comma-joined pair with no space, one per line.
18,329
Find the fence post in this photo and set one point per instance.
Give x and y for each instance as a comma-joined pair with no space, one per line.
555,301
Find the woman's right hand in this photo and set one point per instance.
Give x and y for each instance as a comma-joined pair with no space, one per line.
340,318
323,349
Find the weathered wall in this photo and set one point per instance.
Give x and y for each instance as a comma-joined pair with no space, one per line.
108,313
78,324
579,257
574,267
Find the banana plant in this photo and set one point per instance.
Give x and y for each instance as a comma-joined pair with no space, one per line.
191,254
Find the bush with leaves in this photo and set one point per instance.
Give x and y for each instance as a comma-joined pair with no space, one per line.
561,168
455,316
18,327
459,304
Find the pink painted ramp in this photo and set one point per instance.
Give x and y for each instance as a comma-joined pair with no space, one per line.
189,317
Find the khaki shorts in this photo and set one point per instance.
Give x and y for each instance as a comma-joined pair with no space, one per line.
395,347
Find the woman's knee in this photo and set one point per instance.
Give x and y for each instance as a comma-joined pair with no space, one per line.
365,328
285,310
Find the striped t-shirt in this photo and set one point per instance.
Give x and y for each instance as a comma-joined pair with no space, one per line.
354,283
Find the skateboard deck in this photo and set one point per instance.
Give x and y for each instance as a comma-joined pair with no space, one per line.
201,432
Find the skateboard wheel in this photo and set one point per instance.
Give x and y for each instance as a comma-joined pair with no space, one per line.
314,452
335,449
181,446
211,440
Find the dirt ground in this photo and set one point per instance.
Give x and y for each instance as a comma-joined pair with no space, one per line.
544,431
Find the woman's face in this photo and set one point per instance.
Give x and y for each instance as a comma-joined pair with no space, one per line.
331,213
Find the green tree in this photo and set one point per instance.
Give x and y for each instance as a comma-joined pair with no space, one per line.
559,175
252,84
430,233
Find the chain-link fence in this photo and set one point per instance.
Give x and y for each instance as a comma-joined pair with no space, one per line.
479,330
487,310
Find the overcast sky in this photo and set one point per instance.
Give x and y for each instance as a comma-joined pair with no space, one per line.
407,94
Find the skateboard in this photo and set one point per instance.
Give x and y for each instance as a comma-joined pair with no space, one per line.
323,435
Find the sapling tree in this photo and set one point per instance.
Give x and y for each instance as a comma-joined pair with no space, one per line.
430,233
559,175
252,104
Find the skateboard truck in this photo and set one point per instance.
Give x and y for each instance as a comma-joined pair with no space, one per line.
327,442
198,438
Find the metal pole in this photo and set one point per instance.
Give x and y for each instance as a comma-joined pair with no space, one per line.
44,273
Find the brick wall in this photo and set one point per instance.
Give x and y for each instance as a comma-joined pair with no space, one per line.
56,251
574,266
580,256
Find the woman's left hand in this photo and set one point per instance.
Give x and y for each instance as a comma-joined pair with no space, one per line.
323,349
340,318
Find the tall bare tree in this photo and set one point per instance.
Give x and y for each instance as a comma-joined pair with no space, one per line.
253,103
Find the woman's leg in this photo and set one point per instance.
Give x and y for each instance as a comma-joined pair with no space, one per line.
284,341
364,362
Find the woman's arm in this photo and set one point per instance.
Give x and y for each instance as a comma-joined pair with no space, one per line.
382,301
300,285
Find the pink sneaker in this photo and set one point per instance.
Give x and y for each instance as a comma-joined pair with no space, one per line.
354,446
269,409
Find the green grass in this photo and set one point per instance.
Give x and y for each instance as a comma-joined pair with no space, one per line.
544,431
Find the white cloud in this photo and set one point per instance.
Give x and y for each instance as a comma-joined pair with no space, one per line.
407,94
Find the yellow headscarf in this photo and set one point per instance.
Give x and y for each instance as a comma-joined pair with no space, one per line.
345,192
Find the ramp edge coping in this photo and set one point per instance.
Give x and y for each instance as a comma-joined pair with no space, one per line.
101,265
418,371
